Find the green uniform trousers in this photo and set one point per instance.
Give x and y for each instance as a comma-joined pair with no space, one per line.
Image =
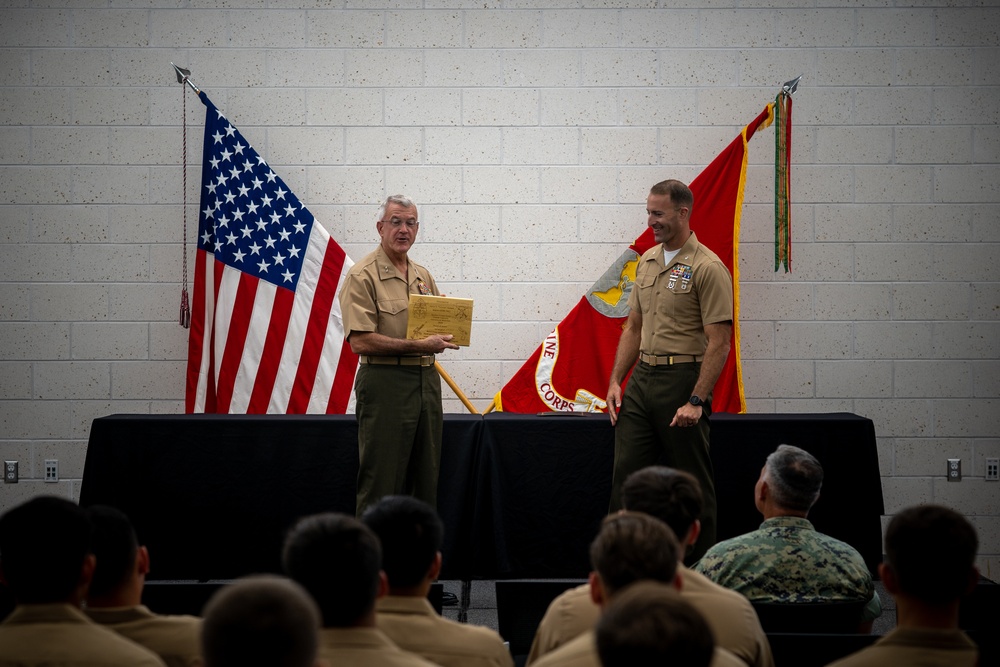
644,437
399,432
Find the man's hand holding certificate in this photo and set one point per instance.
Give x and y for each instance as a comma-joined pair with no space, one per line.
429,315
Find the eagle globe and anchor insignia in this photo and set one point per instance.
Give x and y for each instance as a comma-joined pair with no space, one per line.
609,297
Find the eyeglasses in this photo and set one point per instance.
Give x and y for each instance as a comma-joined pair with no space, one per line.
397,223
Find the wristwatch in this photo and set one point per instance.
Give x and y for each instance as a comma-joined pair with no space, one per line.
694,400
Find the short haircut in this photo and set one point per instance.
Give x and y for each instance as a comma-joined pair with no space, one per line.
648,624
672,496
337,559
260,620
410,532
402,200
632,546
115,546
679,193
794,477
932,551
43,545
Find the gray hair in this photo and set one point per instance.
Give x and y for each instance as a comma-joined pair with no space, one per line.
402,200
794,477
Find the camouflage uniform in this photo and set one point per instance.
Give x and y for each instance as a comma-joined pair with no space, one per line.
787,560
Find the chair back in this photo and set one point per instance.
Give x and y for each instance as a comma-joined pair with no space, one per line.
842,617
521,604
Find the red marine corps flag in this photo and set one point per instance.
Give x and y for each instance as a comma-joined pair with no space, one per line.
266,331
569,371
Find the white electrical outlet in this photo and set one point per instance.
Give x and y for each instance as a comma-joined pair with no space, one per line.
51,470
954,470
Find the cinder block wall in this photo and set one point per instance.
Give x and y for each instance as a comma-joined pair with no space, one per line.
530,132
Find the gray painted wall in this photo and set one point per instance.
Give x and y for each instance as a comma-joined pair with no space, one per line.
530,133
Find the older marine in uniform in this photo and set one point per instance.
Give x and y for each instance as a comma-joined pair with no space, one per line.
397,387
787,559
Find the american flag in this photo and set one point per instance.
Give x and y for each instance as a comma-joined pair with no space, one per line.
266,329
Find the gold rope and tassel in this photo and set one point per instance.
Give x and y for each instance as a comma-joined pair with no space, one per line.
184,316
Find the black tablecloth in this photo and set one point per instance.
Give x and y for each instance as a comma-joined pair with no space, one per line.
520,495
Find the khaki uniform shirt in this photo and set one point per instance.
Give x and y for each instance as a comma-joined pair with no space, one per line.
677,301
731,617
375,295
582,652
570,614
413,625
60,635
364,646
916,646
176,639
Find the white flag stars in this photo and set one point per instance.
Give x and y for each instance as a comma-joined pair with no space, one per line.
243,191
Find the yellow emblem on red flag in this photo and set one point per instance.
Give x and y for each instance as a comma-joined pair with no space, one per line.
569,371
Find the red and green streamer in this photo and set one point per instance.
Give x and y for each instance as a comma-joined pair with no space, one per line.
782,181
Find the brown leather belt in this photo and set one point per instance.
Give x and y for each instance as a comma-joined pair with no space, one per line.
426,360
669,359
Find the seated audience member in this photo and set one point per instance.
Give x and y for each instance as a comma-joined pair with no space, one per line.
630,547
786,560
338,560
115,596
46,560
648,625
930,554
674,497
411,533
260,620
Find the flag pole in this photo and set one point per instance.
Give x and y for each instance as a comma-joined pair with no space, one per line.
454,387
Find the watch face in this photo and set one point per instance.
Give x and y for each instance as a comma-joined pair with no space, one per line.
694,400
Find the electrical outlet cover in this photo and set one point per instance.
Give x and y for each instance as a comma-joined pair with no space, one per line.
954,470
992,470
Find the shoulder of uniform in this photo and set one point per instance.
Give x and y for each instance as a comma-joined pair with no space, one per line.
420,268
651,252
707,255
839,545
362,263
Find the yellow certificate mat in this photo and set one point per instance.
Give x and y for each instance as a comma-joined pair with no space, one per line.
430,315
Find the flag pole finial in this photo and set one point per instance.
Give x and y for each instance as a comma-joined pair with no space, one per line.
184,76
790,87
